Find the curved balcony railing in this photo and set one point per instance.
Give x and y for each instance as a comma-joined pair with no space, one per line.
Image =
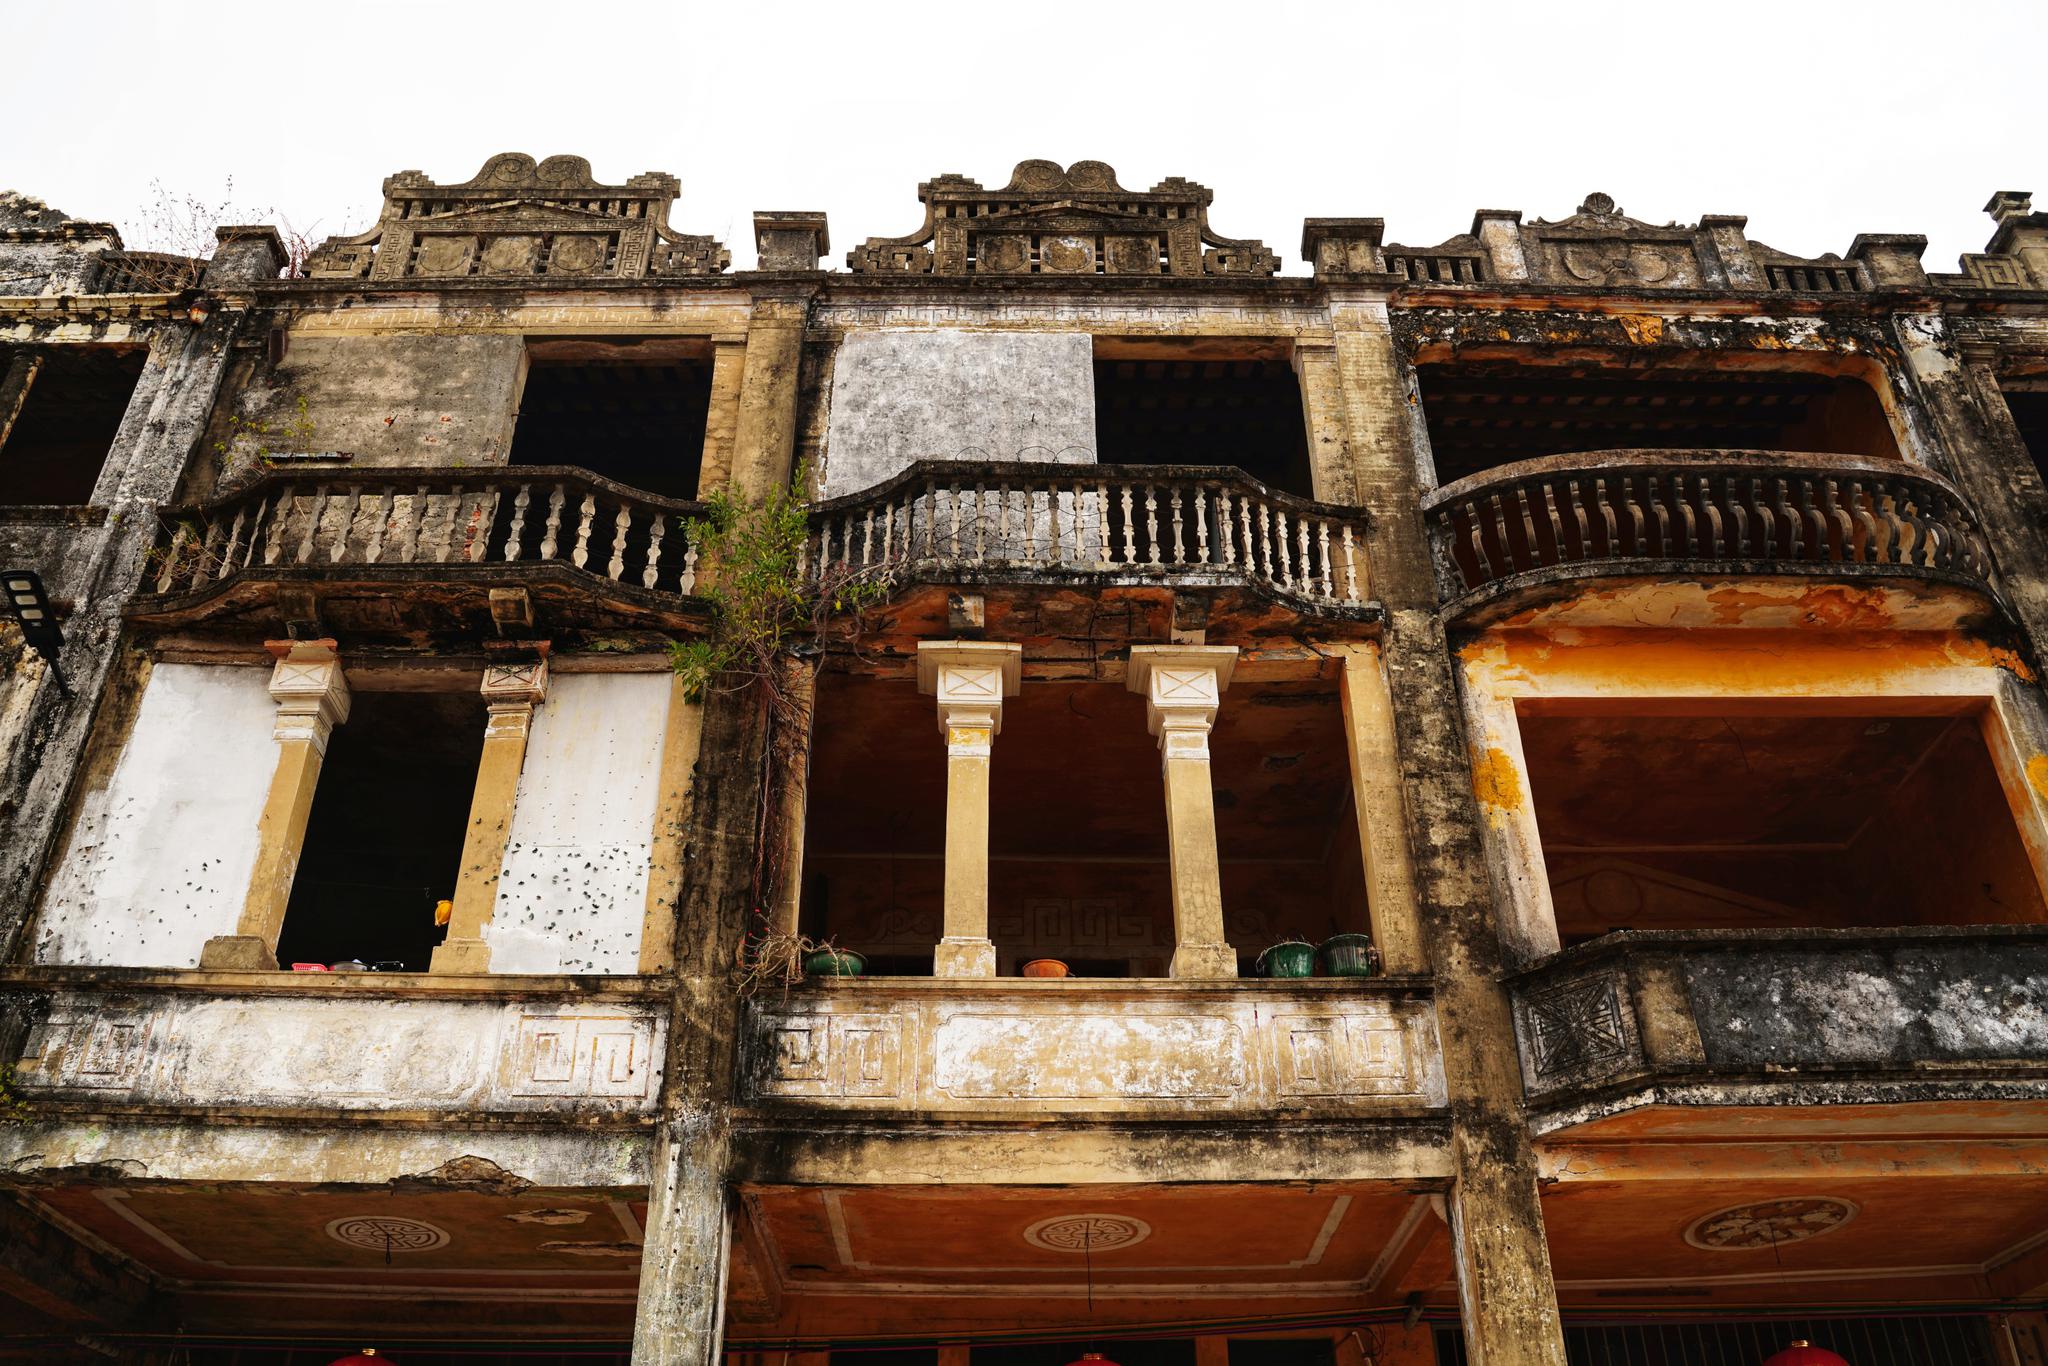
529,515
1111,523
1743,511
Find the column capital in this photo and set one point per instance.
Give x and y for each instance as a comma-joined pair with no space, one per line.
1182,685
970,679
512,691
311,692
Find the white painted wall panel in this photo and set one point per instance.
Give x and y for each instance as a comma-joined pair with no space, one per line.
573,890
159,860
901,397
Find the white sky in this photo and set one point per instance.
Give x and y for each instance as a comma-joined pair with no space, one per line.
1817,120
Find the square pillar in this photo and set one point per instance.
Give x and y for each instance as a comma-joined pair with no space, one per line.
510,693
1183,686
970,679
312,699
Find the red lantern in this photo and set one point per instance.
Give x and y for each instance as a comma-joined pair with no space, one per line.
1804,1353
1098,1359
367,1357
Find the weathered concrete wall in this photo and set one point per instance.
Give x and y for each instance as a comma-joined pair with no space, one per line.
362,1052
159,858
901,397
573,893
1010,1046
389,400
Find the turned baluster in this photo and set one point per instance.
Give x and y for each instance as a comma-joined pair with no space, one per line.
380,524
517,529
415,527
1575,500
1286,558
1201,524
621,524
867,538
319,511
1558,549
981,524
167,572
1030,547
1301,560
1223,527
1130,538
551,531
931,521
1323,541
234,544
1080,527
207,553
1179,554
586,514
953,496
1102,523
687,584
1609,527
1350,567
1152,522
1532,553
655,531
1867,535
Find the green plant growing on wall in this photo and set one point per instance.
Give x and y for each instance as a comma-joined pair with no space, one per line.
13,1109
293,434
766,600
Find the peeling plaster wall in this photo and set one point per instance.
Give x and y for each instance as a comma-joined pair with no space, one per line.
901,397
573,893
160,858
434,400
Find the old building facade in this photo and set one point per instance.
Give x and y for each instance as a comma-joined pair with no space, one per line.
1633,630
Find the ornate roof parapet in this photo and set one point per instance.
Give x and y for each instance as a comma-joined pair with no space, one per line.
47,251
2016,257
521,219
1600,247
1071,221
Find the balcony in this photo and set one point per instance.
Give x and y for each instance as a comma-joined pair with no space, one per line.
424,547
1099,526
1524,534
1010,1048
1786,1017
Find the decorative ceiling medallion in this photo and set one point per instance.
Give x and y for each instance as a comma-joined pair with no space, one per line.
1087,1232
1769,1223
380,1233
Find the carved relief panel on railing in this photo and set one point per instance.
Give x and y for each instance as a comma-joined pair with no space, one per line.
1051,220
521,219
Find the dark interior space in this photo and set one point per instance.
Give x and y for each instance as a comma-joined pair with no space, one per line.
1741,821
53,452
1077,826
1890,1340
1317,1351
2028,401
1128,1352
1245,414
1483,414
634,414
384,841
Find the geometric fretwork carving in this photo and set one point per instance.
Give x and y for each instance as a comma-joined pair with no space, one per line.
521,219
1577,1029
1054,220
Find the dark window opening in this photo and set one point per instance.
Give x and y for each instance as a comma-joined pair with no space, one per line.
638,421
67,404
384,840
1880,1340
1485,414
1282,1352
1243,414
885,1356
2029,408
1746,821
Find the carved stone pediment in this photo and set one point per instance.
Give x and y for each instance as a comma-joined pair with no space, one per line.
1603,247
1053,220
521,219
